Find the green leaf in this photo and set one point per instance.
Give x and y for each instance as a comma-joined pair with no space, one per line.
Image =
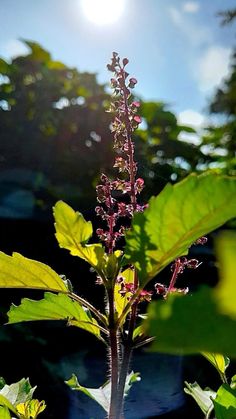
220,362
19,392
4,413
6,404
54,307
202,397
195,323
102,394
225,292
190,324
16,271
225,403
176,218
73,232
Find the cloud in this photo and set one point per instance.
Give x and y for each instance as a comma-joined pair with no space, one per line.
13,48
191,118
191,7
195,34
212,67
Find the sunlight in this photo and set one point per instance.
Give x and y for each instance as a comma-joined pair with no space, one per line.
103,12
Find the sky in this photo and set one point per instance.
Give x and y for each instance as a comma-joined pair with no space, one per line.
177,49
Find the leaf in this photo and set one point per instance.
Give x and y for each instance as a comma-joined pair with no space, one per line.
225,403
19,392
4,413
54,307
195,323
220,362
202,397
102,394
6,404
176,218
190,324
73,232
122,301
16,271
225,292
31,409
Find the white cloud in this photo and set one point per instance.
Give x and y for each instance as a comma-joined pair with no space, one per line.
191,118
211,67
13,48
195,34
191,7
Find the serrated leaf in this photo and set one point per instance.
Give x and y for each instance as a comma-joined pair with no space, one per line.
73,232
4,413
176,218
31,409
54,307
17,271
202,397
102,394
220,362
225,403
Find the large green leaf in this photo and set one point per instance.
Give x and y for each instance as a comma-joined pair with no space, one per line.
191,324
226,254
176,218
195,323
225,403
102,394
54,307
73,232
16,271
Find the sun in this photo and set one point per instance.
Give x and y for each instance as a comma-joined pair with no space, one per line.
103,12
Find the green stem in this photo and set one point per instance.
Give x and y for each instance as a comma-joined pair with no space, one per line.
86,304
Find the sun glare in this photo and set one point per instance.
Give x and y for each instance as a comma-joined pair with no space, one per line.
103,12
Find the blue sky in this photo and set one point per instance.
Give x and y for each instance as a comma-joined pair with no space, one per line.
177,49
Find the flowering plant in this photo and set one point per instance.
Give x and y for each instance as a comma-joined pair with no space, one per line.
155,235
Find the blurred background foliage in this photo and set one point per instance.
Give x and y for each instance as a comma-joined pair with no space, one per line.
55,137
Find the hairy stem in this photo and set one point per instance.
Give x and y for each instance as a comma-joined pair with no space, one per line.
93,309
114,355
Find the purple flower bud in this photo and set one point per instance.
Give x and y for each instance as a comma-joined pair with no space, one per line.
125,61
137,119
202,240
132,82
193,264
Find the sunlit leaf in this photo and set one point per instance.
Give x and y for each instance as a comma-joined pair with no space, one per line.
54,307
220,362
73,232
225,402
122,300
176,218
202,397
16,271
102,394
